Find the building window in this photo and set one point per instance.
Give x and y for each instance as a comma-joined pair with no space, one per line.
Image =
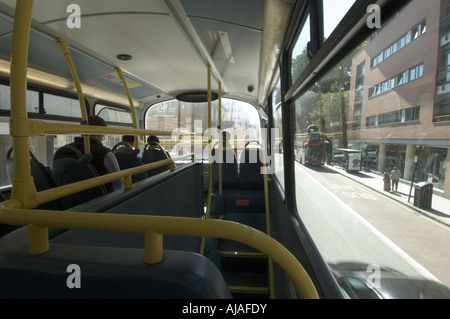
395,117
443,112
407,38
398,80
359,95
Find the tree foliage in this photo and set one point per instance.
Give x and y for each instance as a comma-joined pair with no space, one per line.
326,102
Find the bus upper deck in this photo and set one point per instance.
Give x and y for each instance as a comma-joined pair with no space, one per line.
221,220
52,52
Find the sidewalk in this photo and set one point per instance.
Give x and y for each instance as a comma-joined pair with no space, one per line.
440,206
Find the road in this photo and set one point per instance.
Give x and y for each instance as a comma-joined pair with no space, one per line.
351,222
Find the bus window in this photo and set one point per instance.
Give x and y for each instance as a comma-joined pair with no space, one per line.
277,149
58,105
333,12
32,100
381,131
111,114
299,54
183,118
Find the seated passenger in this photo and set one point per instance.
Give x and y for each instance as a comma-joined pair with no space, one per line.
224,156
129,139
227,145
103,160
153,143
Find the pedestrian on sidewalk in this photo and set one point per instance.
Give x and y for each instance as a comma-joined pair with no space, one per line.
386,180
395,177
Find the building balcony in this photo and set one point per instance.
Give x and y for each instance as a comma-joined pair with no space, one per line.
443,81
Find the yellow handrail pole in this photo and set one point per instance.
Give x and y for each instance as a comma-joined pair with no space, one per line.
65,190
220,105
220,129
23,189
172,226
153,247
84,115
130,100
39,127
208,204
268,224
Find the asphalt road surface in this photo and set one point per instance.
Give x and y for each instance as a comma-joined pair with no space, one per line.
353,223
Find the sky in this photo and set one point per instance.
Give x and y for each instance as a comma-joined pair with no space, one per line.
334,11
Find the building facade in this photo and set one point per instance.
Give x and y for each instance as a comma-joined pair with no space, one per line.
399,108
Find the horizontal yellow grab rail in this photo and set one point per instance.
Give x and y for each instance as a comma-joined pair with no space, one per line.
65,190
22,127
165,225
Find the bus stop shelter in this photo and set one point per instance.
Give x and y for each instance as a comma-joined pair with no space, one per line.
348,159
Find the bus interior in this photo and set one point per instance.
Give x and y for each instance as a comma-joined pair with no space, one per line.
205,222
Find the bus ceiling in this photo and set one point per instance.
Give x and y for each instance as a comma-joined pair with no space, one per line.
157,64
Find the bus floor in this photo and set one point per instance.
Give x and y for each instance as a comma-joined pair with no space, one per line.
245,270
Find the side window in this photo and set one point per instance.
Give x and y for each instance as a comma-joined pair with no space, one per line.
277,137
333,12
32,99
299,57
115,115
112,114
58,105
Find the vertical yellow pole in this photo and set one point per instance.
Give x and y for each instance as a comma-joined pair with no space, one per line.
268,224
208,205
130,100
153,247
220,147
73,71
23,185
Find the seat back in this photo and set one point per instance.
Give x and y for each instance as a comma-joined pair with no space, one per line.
67,170
250,166
106,273
230,178
127,157
42,177
152,155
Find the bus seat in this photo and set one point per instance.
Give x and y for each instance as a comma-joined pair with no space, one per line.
70,170
127,157
42,177
152,155
104,273
110,161
66,151
250,164
149,197
230,178
112,166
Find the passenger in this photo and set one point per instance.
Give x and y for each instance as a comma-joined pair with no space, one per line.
129,139
153,143
98,150
386,181
226,140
